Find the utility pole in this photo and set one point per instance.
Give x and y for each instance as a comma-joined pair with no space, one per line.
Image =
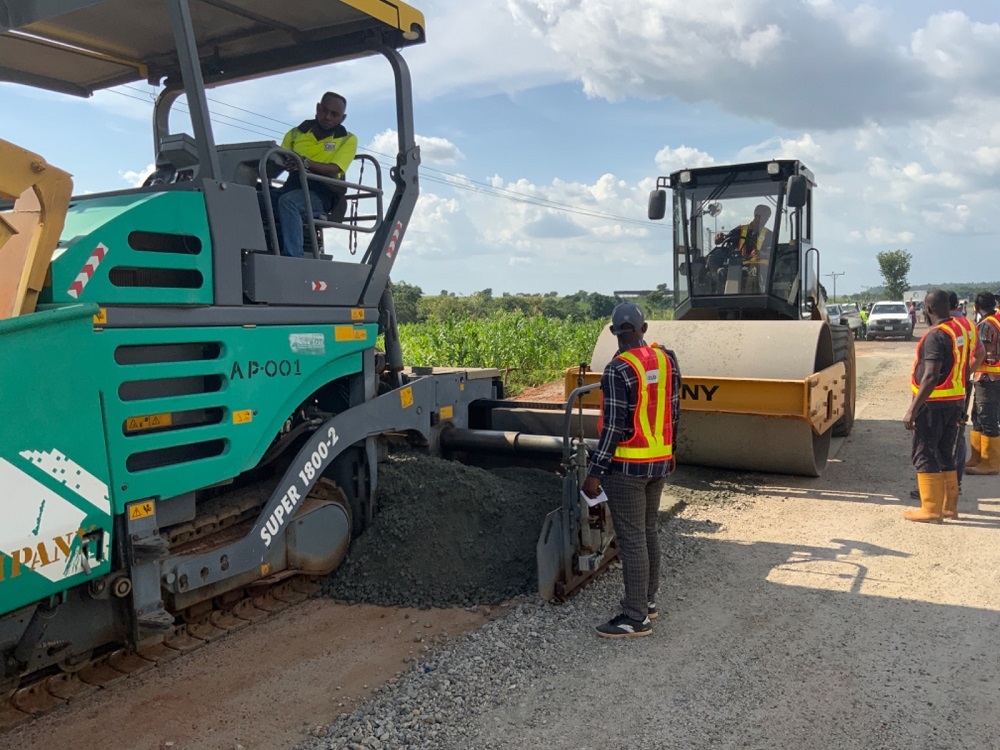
834,277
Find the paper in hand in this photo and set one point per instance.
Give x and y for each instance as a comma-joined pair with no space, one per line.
592,501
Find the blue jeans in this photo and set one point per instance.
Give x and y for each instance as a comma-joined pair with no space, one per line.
290,211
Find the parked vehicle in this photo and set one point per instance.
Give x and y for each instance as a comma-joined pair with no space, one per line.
889,319
846,315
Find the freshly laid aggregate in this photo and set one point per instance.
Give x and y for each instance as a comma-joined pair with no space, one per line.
440,701
447,535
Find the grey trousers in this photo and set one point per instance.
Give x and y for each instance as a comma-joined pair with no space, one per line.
634,503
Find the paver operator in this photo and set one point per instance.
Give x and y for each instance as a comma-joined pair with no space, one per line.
327,149
641,388
984,439
938,384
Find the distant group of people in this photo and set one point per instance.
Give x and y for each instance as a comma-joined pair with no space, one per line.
957,360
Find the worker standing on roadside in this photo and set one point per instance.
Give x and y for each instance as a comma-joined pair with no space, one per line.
984,439
972,356
641,388
864,322
938,384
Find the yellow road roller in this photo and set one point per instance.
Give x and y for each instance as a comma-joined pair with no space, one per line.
768,379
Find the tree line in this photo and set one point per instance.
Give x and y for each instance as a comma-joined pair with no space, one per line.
894,265
413,306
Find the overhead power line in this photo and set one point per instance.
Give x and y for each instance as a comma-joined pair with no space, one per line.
428,173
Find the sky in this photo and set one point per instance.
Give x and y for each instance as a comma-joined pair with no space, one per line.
543,125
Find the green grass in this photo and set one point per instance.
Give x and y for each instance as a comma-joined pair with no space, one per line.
530,350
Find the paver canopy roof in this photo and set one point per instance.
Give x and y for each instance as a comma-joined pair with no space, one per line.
81,46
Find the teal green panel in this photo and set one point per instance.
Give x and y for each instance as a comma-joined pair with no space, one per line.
53,458
211,413
86,215
106,224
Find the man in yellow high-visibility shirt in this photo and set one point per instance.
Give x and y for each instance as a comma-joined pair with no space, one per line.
327,149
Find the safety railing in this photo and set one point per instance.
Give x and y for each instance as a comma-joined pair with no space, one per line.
361,193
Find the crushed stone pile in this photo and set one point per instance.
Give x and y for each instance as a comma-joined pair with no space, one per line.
447,534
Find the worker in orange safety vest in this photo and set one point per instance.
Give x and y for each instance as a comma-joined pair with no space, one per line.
754,242
938,383
984,439
641,406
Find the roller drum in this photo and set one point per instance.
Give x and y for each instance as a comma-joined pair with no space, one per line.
746,350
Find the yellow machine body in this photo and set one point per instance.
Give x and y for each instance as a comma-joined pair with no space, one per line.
29,232
755,395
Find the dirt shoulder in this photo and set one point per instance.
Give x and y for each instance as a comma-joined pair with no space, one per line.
263,688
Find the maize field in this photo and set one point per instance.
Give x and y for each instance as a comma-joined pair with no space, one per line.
530,350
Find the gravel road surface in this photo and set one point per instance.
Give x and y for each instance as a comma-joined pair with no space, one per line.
797,613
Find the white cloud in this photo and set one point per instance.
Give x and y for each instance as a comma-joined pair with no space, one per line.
882,236
671,159
522,242
813,65
435,151
804,148
135,179
955,49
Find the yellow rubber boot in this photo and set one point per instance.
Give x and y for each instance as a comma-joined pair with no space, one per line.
991,457
975,449
931,499
950,495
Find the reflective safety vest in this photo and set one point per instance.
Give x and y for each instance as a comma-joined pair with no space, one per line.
652,425
994,368
968,340
751,254
952,388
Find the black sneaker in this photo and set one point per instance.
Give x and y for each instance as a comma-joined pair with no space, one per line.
623,626
651,611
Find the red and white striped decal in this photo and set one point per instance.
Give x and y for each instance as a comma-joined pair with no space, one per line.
396,231
87,272
320,286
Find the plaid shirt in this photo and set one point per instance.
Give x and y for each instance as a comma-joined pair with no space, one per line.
621,388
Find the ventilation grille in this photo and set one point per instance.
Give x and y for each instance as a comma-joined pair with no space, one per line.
171,398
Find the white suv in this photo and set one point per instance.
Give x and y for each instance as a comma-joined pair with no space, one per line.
889,319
